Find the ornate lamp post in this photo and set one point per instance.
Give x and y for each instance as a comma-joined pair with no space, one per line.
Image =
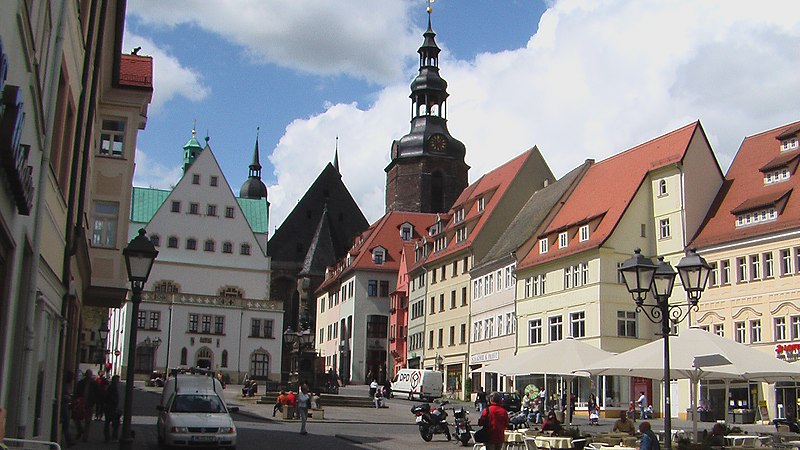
299,343
642,276
139,257
103,333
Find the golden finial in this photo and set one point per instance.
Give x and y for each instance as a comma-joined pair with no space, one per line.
429,9
194,128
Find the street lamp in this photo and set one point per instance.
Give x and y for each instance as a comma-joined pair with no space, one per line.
299,341
103,333
139,257
641,276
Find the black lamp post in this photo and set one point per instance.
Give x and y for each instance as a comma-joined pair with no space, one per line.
139,257
103,333
299,342
641,276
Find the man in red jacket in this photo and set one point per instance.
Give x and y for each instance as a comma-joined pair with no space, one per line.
495,418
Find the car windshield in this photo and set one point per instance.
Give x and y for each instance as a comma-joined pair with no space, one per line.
194,403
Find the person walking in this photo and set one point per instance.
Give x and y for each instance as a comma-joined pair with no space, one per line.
495,418
480,399
303,400
83,404
112,410
279,402
642,403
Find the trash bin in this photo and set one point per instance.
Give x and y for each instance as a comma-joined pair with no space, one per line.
288,412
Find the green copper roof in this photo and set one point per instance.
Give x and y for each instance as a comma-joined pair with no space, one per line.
256,212
146,201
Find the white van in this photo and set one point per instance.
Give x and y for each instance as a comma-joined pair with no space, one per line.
418,383
189,382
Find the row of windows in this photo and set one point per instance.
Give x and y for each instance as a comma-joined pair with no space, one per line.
398,332
535,285
563,239
494,282
259,360
209,245
170,287
451,336
143,323
492,327
789,144
194,209
416,341
756,217
626,327
783,329
576,276
202,324
372,288
453,301
776,176
755,267
212,181
262,328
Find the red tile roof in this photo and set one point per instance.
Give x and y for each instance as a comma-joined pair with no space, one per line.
384,233
744,189
491,188
136,71
604,193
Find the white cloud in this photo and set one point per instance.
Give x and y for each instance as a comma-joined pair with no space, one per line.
368,41
149,173
598,78
170,77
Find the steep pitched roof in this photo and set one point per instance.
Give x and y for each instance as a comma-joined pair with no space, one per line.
384,233
607,189
744,190
290,241
542,205
320,252
489,188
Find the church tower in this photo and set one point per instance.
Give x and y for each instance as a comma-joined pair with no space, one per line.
427,172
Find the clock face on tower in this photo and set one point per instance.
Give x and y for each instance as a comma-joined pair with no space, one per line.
437,143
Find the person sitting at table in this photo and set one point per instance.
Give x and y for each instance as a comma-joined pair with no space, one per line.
717,436
552,424
623,425
495,418
649,439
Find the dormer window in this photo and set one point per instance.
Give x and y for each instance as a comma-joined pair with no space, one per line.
440,244
543,246
789,144
461,234
349,259
662,188
378,255
459,215
406,231
584,231
776,176
481,204
756,217
563,240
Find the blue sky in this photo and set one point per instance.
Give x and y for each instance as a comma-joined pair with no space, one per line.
579,79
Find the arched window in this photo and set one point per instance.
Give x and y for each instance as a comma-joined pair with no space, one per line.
209,245
156,240
227,247
191,244
259,364
224,362
245,249
204,358
184,356
172,242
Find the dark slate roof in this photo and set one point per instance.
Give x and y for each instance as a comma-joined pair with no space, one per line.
320,252
291,241
532,216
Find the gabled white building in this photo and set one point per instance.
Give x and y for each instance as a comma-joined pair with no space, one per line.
206,302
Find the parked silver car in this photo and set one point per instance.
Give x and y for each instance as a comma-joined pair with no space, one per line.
195,416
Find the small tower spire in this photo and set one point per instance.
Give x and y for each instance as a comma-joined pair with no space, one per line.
253,187
336,156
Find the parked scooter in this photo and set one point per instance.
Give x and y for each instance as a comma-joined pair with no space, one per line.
431,421
462,426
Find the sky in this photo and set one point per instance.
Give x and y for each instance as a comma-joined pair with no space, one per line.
577,78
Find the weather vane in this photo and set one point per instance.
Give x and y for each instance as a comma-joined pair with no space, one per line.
429,8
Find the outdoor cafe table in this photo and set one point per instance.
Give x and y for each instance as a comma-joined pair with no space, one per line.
513,440
552,441
736,440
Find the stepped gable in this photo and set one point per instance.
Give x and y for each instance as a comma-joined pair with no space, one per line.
745,189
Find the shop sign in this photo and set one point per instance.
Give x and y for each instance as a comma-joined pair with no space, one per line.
484,357
787,351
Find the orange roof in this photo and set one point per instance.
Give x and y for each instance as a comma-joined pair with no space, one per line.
383,233
604,193
491,188
744,190
136,71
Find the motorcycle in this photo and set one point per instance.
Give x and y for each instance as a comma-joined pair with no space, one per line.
462,426
431,421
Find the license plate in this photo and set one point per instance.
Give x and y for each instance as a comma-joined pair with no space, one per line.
204,438
419,419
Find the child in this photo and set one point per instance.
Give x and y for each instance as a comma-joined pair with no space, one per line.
594,416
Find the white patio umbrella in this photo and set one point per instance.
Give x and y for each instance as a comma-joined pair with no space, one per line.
566,358
745,363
